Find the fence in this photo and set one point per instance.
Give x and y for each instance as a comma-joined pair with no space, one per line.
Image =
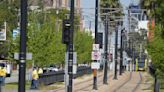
158,80
53,77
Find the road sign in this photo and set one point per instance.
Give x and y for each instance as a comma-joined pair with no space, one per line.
28,56
96,55
74,69
95,65
96,47
3,32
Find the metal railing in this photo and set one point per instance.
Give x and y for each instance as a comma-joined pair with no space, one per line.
53,77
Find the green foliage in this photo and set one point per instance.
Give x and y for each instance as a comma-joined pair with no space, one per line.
83,46
8,13
156,49
156,46
44,40
44,34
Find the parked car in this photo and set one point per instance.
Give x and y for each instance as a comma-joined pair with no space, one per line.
52,68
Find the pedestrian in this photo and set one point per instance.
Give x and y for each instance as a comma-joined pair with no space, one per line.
40,71
4,72
34,83
1,76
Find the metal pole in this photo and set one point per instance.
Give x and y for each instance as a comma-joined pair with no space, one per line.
22,56
116,41
96,42
121,54
70,49
106,51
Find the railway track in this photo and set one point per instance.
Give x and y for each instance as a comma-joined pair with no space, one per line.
88,87
131,84
89,81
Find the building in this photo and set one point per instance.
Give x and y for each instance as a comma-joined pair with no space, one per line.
57,4
54,3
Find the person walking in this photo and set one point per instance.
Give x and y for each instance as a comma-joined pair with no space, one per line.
34,83
40,71
1,76
4,71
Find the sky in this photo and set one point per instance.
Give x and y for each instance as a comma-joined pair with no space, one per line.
88,14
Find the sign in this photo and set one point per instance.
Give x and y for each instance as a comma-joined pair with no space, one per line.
3,32
96,47
95,65
74,57
28,56
74,69
15,33
100,39
96,55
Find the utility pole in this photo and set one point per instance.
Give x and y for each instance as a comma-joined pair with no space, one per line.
116,42
96,42
106,52
121,54
22,55
70,49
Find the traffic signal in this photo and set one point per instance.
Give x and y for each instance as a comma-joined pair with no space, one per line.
66,31
100,39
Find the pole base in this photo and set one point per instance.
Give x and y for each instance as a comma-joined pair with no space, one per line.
106,83
95,88
115,78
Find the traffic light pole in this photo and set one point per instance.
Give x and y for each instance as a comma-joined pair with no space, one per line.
22,55
96,42
116,41
70,49
121,54
106,52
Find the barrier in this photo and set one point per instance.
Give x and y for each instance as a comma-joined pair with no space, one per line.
53,77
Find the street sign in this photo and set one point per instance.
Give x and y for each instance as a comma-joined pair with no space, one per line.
74,57
96,55
15,33
3,32
28,56
74,69
95,65
96,47
16,56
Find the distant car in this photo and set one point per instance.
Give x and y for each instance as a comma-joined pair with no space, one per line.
52,68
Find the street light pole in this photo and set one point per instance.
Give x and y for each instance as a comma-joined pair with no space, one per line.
106,52
96,42
116,42
22,56
70,49
121,54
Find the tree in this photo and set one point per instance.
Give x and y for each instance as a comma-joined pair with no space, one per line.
155,47
83,46
8,14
